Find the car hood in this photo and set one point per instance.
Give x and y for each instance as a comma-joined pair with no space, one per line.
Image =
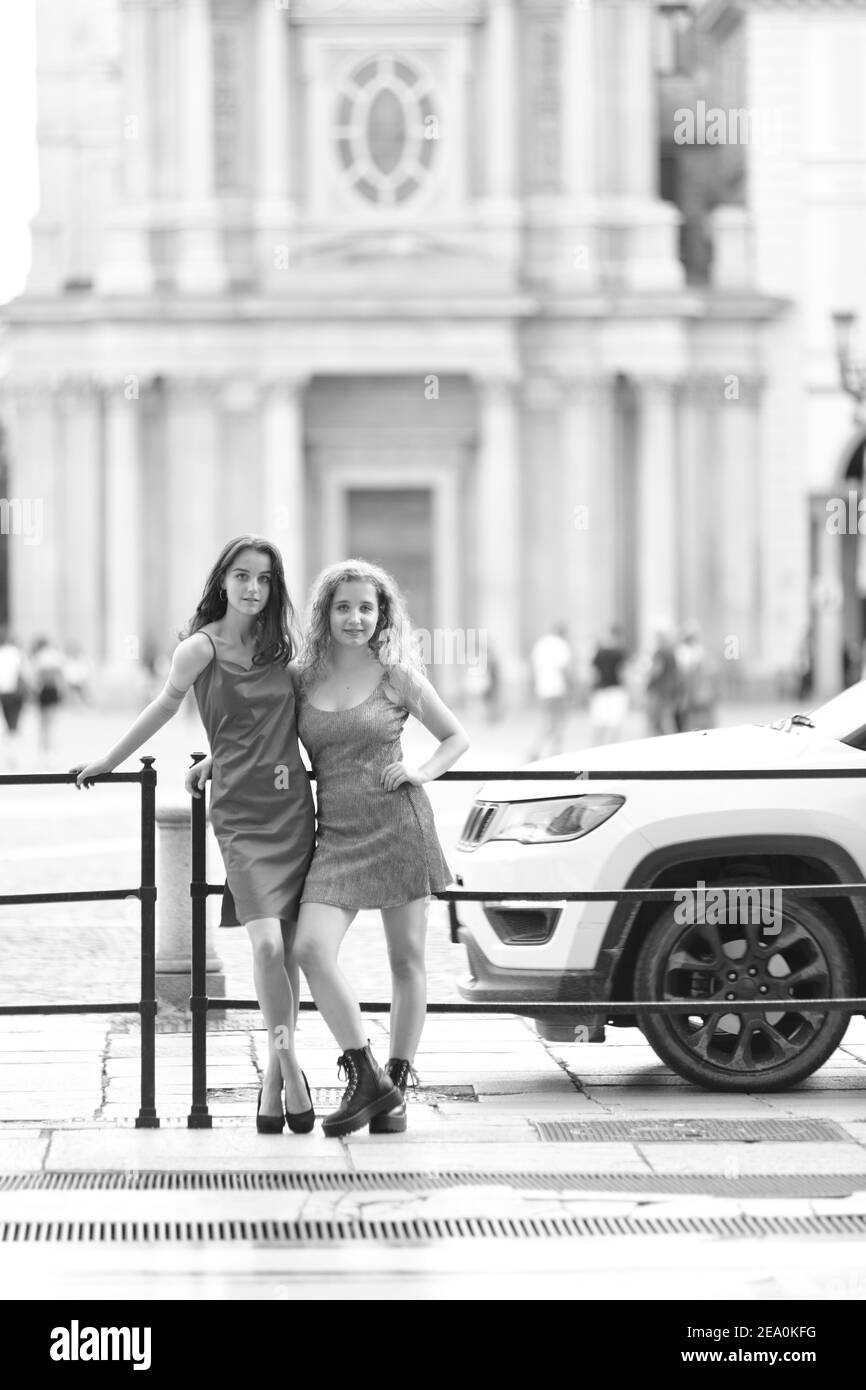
744,746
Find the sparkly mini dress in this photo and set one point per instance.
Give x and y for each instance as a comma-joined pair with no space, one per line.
374,848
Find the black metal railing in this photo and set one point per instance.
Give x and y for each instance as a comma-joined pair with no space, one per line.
200,890
145,891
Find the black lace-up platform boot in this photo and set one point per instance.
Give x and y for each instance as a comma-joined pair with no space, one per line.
368,1093
394,1121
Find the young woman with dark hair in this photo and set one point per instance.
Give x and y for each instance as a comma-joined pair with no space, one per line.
235,653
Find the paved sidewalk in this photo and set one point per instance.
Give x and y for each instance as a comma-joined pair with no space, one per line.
69,1097
505,1127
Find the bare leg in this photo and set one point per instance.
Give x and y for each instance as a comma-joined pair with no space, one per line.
274,1071
289,932
320,934
406,935
276,1000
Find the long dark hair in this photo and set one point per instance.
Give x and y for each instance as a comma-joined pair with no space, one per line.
277,624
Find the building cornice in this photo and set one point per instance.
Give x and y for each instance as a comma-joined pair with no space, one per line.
426,12
689,303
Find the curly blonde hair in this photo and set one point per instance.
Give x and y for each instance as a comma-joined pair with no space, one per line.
392,643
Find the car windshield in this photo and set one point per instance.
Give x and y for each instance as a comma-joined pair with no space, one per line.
843,717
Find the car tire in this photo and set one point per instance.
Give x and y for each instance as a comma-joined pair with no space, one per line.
745,1052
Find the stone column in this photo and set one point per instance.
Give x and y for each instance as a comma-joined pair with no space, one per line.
638,99
827,605
127,267
658,539
578,101
499,551
584,519
283,485
192,535
696,475
200,267
275,212
640,229
579,130
499,209
239,508
82,591
123,577
29,523
546,527
174,908
501,87
738,533
553,248
49,226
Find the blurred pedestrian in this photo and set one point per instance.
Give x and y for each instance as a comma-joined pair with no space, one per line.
552,666
804,665
77,674
850,663
608,703
492,687
698,681
663,685
46,666
13,689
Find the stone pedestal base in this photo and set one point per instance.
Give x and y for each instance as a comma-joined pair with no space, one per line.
173,991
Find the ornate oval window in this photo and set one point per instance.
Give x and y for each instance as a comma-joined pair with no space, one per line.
386,129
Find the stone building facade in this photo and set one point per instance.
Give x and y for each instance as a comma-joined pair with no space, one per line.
418,280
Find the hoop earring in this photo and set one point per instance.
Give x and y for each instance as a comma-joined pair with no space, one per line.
222,593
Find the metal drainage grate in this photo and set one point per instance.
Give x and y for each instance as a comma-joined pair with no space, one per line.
694,1131
420,1229
326,1096
662,1184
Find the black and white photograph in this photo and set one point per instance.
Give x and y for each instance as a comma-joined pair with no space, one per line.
433,668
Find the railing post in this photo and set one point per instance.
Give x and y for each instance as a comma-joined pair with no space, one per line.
198,1116
147,1116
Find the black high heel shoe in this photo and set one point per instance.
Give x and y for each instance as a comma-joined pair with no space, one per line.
268,1124
302,1121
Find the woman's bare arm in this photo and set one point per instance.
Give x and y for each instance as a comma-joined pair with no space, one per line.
188,661
430,710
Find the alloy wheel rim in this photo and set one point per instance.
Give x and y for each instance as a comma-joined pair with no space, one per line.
742,961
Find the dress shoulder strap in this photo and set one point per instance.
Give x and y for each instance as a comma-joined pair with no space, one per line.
214,664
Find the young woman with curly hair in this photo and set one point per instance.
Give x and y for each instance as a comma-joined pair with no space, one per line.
359,680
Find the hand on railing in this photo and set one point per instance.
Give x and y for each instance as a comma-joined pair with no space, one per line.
85,772
197,775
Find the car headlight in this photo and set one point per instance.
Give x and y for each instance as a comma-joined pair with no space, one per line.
561,818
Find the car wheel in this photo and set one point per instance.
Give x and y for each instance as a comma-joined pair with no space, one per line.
800,957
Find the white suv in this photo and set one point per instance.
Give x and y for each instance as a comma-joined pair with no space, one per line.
707,836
